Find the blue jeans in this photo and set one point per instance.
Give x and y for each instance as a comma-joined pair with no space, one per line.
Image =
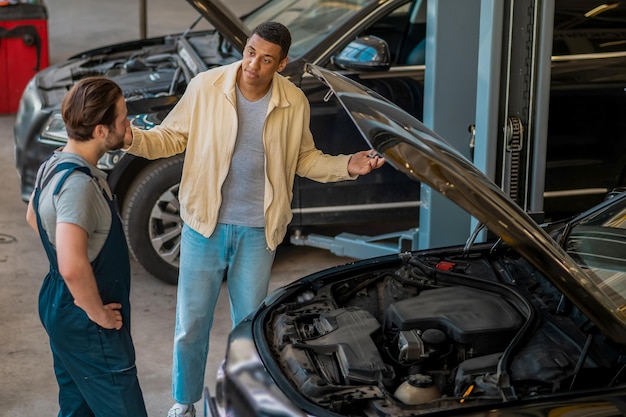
237,253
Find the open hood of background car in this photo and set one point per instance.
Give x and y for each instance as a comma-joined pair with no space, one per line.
224,20
412,148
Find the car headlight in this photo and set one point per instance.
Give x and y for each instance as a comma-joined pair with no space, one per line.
54,130
110,159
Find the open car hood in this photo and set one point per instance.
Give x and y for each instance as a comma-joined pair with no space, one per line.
412,148
224,20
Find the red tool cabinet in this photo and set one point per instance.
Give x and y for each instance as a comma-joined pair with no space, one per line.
23,49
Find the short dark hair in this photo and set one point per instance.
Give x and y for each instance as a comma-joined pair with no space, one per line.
90,102
276,33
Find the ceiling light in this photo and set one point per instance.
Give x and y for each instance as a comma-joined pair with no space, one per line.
601,9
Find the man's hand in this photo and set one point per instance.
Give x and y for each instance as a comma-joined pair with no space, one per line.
110,317
364,162
128,137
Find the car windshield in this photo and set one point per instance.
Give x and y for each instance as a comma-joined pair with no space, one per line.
598,244
308,20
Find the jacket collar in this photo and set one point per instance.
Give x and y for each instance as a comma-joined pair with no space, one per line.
228,80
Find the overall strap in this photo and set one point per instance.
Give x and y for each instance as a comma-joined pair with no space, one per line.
69,167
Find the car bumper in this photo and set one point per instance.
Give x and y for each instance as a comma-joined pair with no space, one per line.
210,405
244,388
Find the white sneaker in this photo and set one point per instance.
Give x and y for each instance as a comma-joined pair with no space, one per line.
182,410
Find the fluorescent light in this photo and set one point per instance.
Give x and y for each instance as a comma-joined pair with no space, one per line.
601,9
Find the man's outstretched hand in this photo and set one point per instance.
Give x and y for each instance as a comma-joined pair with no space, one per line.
364,162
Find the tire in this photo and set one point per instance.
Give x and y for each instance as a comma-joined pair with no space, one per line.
151,217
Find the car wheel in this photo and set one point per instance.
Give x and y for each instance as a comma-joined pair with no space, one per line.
152,218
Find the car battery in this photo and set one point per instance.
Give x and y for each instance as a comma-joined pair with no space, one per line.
23,49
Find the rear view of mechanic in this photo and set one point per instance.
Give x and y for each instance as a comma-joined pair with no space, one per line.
84,300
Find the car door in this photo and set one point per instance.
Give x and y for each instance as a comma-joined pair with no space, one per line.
384,195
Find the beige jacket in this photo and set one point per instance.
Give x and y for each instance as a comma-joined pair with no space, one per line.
204,124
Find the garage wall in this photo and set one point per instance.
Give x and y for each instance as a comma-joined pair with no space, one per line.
70,22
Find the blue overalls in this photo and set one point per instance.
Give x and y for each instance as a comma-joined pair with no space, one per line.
95,367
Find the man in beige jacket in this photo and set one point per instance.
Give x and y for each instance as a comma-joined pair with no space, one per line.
245,130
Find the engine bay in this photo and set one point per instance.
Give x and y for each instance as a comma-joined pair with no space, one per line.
145,71
434,332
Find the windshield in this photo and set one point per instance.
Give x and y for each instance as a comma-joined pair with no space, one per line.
308,20
598,244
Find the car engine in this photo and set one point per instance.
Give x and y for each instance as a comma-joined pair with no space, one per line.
435,332
144,70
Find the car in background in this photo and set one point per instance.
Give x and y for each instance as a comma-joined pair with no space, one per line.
530,324
153,73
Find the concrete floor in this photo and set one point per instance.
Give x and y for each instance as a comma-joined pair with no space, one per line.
27,383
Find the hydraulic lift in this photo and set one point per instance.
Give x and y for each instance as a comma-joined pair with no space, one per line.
486,91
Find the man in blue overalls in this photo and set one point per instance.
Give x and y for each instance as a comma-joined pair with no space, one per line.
84,300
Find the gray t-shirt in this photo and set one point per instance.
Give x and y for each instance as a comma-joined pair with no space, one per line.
80,202
244,188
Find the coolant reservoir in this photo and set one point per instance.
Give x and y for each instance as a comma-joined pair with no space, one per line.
418,389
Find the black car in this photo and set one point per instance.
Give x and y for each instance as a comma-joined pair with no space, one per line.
154,74
530,324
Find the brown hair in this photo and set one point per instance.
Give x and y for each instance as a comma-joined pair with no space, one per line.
90,102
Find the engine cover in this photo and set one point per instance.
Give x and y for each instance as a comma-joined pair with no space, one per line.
477,318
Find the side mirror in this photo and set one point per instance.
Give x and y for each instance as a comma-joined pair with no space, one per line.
367,53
